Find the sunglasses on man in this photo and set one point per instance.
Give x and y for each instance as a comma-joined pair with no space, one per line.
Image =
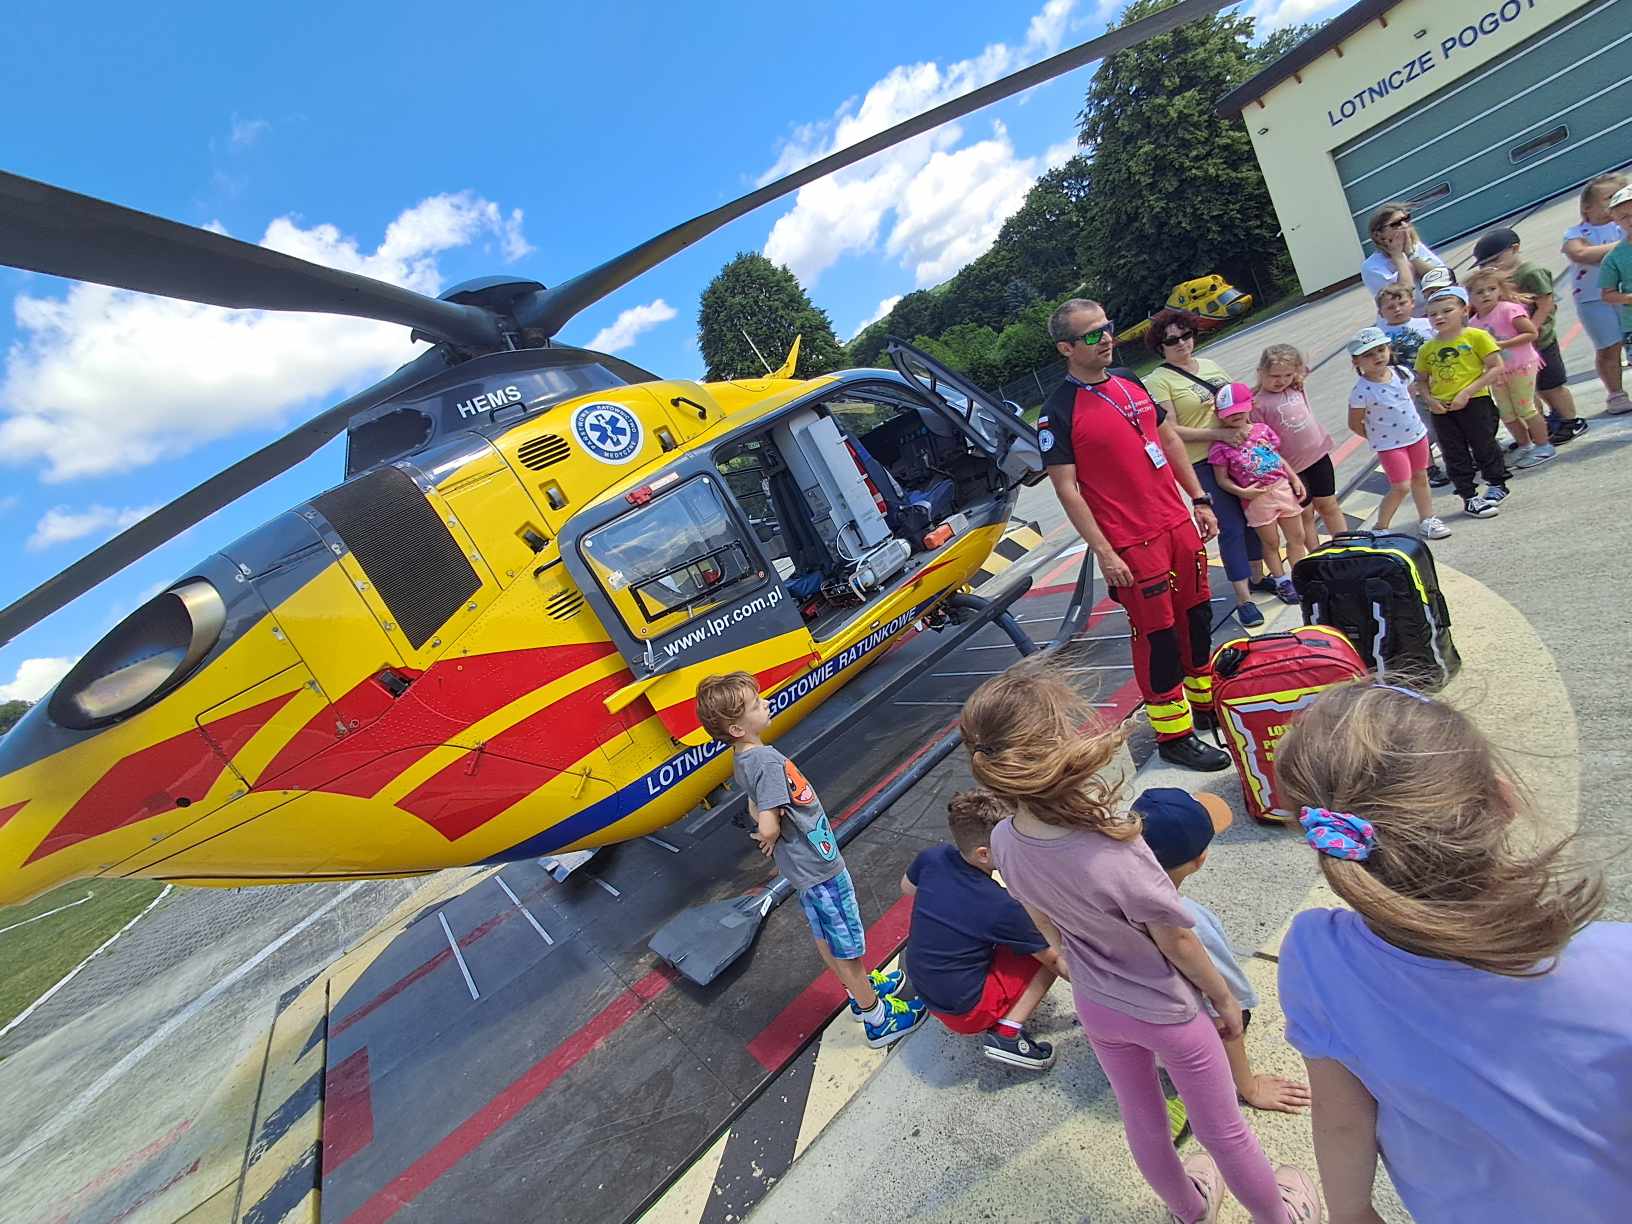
1098,335
1177,338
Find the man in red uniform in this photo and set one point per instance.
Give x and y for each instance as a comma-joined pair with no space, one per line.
1121,473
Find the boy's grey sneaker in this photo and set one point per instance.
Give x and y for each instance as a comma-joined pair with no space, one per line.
1021,1051
1618,404
1478,507
901,1016
1535,456
1495,495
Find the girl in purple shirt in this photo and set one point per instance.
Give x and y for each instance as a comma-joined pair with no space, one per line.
1138,971
1468,1021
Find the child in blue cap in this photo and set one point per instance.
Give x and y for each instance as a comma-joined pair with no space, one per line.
1178,828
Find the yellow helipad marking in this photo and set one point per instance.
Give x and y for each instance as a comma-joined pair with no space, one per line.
844,1064
685,1201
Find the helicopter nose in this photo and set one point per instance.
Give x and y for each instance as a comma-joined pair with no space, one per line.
82,767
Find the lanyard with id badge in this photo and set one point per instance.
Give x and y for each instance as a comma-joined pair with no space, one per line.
1129,412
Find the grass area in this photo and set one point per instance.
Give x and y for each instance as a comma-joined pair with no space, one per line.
34,957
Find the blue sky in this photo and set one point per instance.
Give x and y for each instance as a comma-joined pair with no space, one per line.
428,145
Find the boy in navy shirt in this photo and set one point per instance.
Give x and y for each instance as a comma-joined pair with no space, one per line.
973,953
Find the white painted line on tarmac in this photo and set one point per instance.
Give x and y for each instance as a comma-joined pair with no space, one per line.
605,885
525,912
658,841
458,956
48,913
74,972
64,1117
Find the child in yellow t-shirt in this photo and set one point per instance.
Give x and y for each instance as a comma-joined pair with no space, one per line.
1457,368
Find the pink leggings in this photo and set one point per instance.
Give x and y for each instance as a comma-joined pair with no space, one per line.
1403,462
1194,1057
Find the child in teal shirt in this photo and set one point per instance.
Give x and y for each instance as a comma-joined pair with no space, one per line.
1615,273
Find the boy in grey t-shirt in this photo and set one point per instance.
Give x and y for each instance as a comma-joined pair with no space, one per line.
1178,828
791,826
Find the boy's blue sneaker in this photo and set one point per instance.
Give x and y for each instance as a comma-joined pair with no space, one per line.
901,1016
883,984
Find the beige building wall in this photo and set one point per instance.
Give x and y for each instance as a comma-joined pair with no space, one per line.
1417,49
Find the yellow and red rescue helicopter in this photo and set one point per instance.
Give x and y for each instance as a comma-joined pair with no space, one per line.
484,643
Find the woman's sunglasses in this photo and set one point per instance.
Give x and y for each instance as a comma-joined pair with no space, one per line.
1399,222
1177,338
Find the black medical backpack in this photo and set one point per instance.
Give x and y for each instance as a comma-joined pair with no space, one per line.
1380,589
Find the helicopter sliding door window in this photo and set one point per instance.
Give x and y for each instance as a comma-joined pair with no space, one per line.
676,557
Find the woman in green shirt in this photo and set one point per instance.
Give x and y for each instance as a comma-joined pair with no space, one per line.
1185,385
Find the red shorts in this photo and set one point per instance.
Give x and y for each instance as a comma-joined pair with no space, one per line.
1006,981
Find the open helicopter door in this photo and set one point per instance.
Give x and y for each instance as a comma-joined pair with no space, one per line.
678,578
1003,434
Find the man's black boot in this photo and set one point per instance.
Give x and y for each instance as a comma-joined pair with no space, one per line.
1191,753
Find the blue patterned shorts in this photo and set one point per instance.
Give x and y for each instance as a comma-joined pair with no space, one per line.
835,919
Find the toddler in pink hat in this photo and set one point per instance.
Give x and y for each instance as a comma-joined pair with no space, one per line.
1269,490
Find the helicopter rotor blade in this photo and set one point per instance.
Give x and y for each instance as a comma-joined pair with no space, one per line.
198,503
62,233
549,310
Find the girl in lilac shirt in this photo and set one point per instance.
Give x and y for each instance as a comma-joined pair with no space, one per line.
1074,858
1468,1021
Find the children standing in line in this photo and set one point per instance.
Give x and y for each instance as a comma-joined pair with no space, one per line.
1178,828
1094,889
1499,310
1383,411
1499,249
1406,334
792,827
1467,1021
1456,368
1615,273
1279,402
1271,493
974,955
1585,245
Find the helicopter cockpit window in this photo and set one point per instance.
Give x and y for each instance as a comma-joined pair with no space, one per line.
671,559
386,437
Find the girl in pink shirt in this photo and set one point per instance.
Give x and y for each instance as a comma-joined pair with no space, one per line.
1072,855
1279,402
1501,311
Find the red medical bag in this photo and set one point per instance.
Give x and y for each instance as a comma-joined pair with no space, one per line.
1259,685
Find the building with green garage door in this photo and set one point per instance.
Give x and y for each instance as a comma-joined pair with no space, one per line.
1466,110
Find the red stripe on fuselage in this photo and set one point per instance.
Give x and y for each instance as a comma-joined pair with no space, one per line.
471,791
394,734
681,720
153,780
6,813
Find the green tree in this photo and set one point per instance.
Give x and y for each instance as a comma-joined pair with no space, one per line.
1176,190
10,712
752,297
1278,42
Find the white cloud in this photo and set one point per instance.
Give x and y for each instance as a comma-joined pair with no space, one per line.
845,213
1273,14
34,679
246,132
950,211
884,308
629,324
60,524
102,380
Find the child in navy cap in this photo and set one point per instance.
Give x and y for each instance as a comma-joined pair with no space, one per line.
1178,828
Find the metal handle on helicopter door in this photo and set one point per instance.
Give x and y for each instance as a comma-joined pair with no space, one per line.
702,413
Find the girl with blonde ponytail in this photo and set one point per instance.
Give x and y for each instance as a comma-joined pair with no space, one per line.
1468,1020
1072,855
